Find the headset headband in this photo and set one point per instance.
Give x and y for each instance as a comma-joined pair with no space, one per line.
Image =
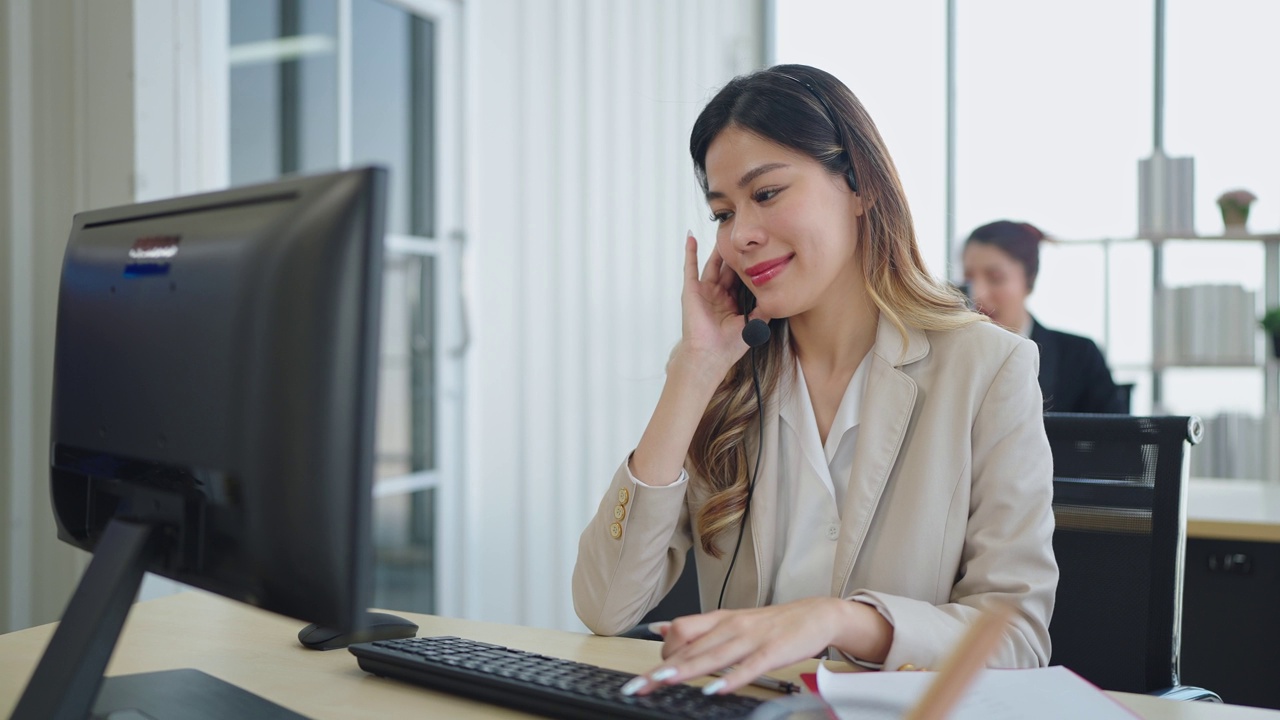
853,182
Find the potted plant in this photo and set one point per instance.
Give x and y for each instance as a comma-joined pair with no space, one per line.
1271,323
1235,209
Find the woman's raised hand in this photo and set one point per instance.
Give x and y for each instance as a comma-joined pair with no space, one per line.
711,344
712,322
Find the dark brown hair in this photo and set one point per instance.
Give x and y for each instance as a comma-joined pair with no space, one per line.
1020,240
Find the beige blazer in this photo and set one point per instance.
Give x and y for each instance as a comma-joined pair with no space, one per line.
948,507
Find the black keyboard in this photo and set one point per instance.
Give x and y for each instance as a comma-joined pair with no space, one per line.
536,683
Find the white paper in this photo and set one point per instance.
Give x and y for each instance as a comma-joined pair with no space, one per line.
1051,693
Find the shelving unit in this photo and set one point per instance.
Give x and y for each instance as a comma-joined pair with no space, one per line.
1270,297
1157,366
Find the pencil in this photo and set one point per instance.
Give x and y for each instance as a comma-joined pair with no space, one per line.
963,664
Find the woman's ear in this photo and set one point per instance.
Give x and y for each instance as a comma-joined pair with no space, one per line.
860,204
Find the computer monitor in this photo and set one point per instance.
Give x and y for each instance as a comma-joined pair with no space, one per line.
214,390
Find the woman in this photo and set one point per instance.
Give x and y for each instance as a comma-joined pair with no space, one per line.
1001,261
902,479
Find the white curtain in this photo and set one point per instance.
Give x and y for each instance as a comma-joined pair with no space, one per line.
580,193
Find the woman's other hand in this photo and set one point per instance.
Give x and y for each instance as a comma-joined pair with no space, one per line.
756,641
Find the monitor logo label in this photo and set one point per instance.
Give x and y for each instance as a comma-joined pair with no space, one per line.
150,255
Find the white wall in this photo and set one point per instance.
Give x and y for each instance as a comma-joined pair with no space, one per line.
66,146
71,73
892,55
580,191
8,26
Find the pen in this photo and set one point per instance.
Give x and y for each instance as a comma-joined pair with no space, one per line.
766,682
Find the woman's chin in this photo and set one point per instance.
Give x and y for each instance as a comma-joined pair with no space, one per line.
769,311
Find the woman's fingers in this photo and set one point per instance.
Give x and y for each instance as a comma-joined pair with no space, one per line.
751,667
690,663
684,630
690,260
728,278
711,271
752,641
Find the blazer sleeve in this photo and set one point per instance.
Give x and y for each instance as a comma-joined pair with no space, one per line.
1008,546
616,580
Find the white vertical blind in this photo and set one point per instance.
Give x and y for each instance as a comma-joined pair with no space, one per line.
580,191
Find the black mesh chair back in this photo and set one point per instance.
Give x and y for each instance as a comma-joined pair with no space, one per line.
1119,492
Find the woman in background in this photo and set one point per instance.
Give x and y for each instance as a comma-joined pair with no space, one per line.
1001,260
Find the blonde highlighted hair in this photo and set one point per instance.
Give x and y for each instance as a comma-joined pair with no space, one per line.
812,112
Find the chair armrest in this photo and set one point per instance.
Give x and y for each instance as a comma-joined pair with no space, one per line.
1187,693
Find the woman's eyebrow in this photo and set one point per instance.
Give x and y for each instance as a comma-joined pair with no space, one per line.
747,177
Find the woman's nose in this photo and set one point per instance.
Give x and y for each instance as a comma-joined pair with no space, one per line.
747,230
980,292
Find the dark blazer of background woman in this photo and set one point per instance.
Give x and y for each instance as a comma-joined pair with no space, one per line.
1073,374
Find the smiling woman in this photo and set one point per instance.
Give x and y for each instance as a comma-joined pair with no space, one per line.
902,480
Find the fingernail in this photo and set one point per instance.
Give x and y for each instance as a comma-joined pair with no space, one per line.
713,688
660,628
634,684
663,674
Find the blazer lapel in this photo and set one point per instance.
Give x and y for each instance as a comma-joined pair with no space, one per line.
887,407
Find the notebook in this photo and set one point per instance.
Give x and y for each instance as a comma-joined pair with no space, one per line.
1050,693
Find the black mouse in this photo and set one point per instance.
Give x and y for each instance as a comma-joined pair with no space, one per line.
377,626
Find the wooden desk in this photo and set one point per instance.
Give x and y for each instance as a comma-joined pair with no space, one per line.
259,652
1233,510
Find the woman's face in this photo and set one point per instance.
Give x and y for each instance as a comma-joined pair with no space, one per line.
787,227
997,282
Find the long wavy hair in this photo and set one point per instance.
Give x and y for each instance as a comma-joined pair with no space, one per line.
781,104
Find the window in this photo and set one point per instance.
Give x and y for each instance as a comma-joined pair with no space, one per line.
319,84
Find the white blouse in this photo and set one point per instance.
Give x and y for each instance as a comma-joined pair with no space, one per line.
814,478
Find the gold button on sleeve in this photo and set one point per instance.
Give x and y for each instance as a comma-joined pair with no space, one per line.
619,512
907,668
623,496
615,530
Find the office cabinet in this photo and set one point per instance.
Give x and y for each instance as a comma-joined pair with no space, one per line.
1231,620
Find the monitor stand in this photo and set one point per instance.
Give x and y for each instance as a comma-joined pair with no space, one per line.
67,680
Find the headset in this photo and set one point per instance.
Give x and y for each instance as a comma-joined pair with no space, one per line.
756,334
848,174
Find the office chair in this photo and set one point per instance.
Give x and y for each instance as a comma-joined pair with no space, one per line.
1124,391
1119,492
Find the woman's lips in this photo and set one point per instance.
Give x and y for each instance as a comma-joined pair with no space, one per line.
761,273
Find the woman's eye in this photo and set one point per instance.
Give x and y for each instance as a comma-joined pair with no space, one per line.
765,194
721,217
